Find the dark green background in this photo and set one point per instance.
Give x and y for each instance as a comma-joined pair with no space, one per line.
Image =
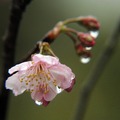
39,18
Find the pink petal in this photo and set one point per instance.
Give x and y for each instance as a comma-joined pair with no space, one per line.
50,95
37,95
49,60
63,75
14,84
21,66
70,88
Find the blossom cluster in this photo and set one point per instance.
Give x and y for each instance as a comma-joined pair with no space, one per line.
44,76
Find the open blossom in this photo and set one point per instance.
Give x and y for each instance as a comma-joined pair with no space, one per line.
44,76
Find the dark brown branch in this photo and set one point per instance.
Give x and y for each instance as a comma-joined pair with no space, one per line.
17,9
93,78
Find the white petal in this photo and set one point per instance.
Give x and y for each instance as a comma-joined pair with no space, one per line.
63,75
14,84
21,66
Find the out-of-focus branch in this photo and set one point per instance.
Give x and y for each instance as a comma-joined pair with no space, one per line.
17,9
93,78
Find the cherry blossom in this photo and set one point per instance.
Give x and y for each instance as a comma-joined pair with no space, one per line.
44,76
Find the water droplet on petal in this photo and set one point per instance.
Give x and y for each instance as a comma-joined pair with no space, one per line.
59,90
85,60
88,48
94,33
38,103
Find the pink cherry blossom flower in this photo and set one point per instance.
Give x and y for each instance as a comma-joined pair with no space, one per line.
44,76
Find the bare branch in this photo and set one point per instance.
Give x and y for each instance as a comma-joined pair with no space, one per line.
17,9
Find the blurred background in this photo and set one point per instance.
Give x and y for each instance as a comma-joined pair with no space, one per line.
39,18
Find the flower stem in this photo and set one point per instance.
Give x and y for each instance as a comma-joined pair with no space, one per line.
93,78
72,20
17,9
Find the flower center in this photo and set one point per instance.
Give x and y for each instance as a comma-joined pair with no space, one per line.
38,77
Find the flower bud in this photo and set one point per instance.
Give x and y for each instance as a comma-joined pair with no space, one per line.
86,39
90,23
82,51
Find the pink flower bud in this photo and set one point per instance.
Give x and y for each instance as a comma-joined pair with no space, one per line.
86,39
90,23
82,51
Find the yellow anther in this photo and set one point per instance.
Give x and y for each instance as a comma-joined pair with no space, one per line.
48,77
46,91
32,84
54,82
31,91
28,76
21,80
26,83
34,75
26,80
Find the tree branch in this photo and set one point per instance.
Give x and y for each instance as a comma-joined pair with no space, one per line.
17,9
90,83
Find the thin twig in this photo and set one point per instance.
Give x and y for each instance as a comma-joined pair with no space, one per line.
93,78
17,9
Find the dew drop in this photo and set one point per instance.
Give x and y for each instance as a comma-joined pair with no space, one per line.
59,90
38,103
85,60
94,33
88,48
